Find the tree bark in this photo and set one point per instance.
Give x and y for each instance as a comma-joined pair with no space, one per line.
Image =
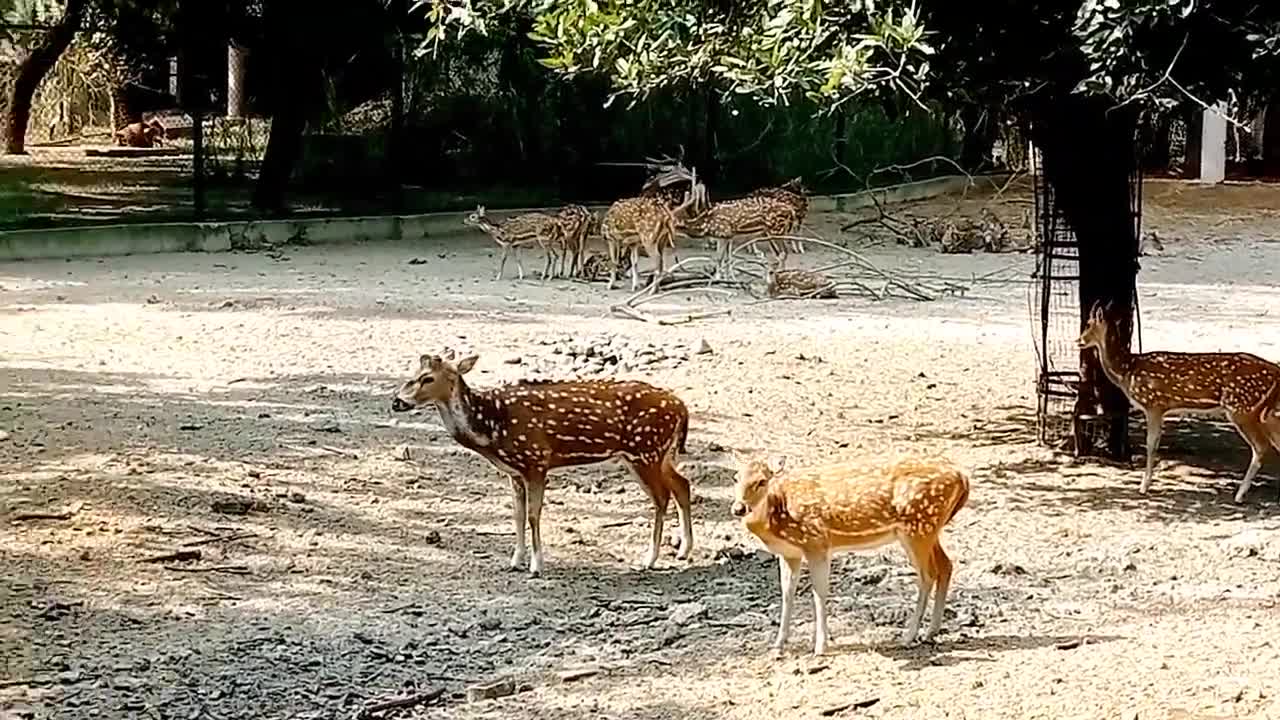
1089,161
979,138
1271,140
237,58
31,72
296,70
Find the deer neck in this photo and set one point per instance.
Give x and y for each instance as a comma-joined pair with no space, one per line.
488,226
462,414
1116,363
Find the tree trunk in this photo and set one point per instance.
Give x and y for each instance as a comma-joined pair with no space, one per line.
1195,140
236,62
284,147
31,72
296,72
123,111
1089,161
979,138
1271,140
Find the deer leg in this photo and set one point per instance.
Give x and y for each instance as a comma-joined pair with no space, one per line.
661,267
679,485
942,585
535,484
635,267
1255,433
653,479
788,578
820,579
1155,425
920,551
502,263
615,258
519,263
518,509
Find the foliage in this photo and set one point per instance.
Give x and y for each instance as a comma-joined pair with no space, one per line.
998,51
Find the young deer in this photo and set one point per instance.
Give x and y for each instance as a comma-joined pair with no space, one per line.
530,428
811,513
1161,383
521,231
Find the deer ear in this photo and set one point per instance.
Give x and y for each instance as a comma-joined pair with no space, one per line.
428,362
466,363
777,463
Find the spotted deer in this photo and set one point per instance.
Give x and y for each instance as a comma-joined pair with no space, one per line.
522,231
574,224
1237,384
752,217
632,223
794,193
529,428
808,514
799,284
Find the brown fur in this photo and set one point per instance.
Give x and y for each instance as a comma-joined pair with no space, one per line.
748,217
528,429
141,134
809,514
1159,383
522,231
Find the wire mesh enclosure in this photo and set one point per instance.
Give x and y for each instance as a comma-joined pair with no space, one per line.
1059,318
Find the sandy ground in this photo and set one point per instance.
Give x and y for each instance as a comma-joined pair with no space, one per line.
139,394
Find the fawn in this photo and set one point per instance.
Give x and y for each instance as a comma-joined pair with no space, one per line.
521,231
529,428
1239,384
811,513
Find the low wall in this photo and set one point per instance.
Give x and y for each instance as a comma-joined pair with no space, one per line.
141,239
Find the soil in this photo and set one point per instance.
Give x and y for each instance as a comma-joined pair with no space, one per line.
349,555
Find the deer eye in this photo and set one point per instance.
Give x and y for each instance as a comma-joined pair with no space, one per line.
426,380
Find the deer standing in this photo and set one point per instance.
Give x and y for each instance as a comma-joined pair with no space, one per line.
794,193
1238,384
575,223
631,223
530,428
753,216
519,232
808,514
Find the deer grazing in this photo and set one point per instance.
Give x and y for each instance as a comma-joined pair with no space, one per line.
1238,384
808,514
530,428
519,232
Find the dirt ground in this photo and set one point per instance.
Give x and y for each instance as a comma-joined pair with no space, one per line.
144,400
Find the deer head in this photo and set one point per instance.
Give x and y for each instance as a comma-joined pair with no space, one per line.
476,217
1094,334
436,381
753,481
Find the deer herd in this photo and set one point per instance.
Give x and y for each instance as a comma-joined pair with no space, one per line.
802,515
670,203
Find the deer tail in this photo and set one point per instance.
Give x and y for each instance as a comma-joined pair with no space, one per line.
962,498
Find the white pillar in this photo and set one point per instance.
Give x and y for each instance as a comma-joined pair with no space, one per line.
1213,145
173,77
235,80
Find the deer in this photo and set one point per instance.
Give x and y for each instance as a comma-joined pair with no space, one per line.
1160,383
519,232
631,223
808,514
753,216
794,193
530,428
574,224
140,134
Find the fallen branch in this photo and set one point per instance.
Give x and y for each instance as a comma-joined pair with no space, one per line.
175,556
630,312
232,569
220,538
855,705
401,702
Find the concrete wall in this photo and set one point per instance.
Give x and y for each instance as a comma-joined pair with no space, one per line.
141,239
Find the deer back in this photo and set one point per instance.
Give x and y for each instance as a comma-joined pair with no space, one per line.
1236,382
556,424
858,505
